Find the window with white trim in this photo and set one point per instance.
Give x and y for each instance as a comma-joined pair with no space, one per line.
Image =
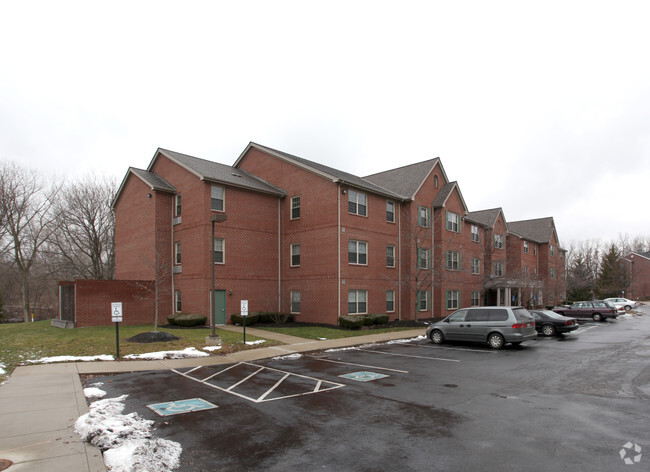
217,198
525,247
453,222
177,206
453,260
476,298
295,208
424,216
390,301
218,251
452,299
177,253
390,212
552,250
390,256
498,269
357,252
357,302
424,258
498,241
476,265
295,301
475,235
357,203
424,300
295,255
551,273
177,301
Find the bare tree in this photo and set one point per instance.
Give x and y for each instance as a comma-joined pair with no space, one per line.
30,220
85,245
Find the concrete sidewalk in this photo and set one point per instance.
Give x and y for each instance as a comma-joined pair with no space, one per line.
39,404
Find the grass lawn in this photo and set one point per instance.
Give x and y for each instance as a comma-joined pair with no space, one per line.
20,342
320,332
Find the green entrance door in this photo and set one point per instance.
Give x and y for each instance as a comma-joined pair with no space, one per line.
219,307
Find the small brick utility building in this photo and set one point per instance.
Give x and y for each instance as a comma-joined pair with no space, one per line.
292,235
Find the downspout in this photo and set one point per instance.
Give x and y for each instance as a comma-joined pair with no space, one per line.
279,257
433,257
399,255
172,258
338,239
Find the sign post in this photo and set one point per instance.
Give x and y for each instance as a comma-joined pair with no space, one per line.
244,313
116,317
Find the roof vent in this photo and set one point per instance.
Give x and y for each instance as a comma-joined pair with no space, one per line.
236,174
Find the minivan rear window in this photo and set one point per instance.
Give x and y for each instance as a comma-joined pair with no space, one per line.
498,314
521,314
477,315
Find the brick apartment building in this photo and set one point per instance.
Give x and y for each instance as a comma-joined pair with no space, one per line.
292,235
639,276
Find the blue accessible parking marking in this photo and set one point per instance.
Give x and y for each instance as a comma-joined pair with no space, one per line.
363,376
181,406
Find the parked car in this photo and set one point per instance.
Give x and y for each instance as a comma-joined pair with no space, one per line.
496,325
626,304
549,323
597,310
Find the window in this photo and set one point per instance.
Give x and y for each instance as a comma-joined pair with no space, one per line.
424,297
295,302
453,222
475,236
535,249
177,253
216,202
357,203
452,298
435,181
295,208
476,297
525,247
498,241
423,216
476,265
498,269
390,256
390,212
218,251
177,300
552,250
357,301
551,273
424,256
453,260
295,255
390,301
526,271
357,252
177,207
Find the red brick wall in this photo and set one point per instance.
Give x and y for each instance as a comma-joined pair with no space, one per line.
640,278
93,300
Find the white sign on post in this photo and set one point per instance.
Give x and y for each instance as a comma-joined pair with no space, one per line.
116,312
244,308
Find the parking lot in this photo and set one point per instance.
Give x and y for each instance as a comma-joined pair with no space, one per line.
565,403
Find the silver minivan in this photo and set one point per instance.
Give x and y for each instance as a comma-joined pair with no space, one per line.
496,325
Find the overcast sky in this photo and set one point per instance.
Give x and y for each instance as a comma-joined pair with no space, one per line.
540,108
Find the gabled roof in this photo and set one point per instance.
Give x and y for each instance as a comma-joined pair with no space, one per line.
645,255
214,172
153,180
335,175
485,217
539,230
407,180
445,192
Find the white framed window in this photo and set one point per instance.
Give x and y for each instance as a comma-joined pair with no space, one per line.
525,247
177,253
552,250
357,203
498,241
357,302
551,273
435,181
498,269
295,208
295,255
390,301
476,298
476,265
424,257
526,271
357,252
424,300
177,205
452,299
390,256
390,212
219,251
295,302
475,235
453,222
453,260
177,301
217,198
534,249
424,216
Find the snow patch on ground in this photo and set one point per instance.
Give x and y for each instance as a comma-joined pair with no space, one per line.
322,339
401,341
626,316
212,348
94,392
2,369
288,357
354,348
187,352
49,360
126,439
252,343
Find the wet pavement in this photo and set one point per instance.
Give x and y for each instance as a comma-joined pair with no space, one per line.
567,403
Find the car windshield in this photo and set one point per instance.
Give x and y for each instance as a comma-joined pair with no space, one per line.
521,314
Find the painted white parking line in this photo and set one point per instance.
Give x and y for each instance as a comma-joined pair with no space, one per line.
362,365
408,355
437,346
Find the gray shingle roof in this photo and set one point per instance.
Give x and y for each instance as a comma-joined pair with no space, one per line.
405,180
484,217
152,179
539,230
215,172
326,171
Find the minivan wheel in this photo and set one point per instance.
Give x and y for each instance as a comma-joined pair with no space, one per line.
437,337
548,330
597,317
495,340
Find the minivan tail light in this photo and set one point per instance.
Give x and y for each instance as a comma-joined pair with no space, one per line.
523,325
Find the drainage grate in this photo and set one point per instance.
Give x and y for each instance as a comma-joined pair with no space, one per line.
181,406
363,376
